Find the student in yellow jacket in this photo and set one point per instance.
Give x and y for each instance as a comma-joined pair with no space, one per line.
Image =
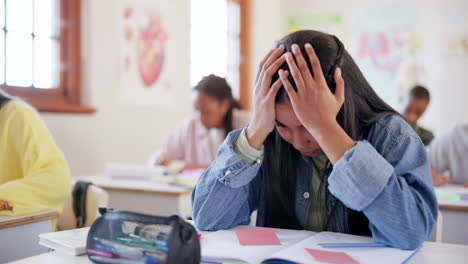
34,175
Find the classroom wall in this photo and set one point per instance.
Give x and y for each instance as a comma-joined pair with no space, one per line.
116,132
268,25
113,134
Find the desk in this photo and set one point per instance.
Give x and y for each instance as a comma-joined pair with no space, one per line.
19,235
430,253
144,196
454,215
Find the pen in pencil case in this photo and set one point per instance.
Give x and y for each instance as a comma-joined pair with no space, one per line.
351,245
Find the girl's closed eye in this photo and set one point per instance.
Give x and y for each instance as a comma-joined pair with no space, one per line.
278,124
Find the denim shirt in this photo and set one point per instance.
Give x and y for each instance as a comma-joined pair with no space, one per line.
387,177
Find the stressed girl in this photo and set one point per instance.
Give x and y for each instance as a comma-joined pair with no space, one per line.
322,152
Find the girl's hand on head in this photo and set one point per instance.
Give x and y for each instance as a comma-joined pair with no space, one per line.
314,104
263,120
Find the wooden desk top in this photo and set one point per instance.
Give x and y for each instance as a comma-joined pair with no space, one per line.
136,185
453,206
11,221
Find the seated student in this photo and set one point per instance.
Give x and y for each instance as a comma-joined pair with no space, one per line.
197,139
414,106
323,152
449,152
34,175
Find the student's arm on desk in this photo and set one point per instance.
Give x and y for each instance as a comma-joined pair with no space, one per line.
394,190
438,154
46,181
228,191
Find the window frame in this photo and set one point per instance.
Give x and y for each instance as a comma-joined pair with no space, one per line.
244,65
66,98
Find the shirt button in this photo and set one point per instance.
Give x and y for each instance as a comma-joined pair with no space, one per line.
227,173
306,195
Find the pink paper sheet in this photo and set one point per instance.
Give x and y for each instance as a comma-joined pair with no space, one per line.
257,237
331,256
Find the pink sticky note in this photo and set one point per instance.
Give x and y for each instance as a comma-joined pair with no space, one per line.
331,256
257,237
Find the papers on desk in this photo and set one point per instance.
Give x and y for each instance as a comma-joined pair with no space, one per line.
257,237
330,256
159,174
137,172
188,177
69,241
452,193
297,247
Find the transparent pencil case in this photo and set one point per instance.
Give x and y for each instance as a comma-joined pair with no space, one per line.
126,237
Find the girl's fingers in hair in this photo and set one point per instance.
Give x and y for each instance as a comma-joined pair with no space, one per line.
314,61
274,89
295,72
340,86
273,56
302,64
262,62
261,88
268,74
287,85
273,68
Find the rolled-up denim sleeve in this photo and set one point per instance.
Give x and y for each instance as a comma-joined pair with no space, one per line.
393,188
228,191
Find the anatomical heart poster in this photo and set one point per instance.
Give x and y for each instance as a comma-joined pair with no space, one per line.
379,33
147,52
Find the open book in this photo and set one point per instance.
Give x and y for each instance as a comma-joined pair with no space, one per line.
69,241
297,247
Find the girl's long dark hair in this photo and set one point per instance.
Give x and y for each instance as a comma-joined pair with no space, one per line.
362,107
219,89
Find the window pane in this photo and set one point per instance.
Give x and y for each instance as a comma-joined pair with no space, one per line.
233,80
2,13
208,39
234,51
2,57
46,17
19,15
234,18
234,55
234,58
19,59
46,52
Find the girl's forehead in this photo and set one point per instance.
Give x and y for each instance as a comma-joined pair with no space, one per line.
285,114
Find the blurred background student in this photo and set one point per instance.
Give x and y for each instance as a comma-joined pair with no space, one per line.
413,108
448,155
196,140
34,175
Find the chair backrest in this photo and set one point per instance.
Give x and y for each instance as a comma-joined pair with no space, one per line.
95,197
